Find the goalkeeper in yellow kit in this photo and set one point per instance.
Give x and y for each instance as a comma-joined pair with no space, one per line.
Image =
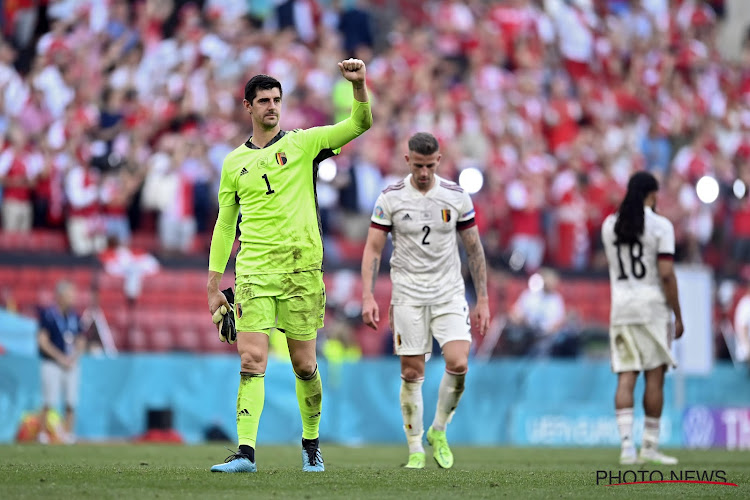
279,278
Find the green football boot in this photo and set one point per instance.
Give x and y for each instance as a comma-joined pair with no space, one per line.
441,452
416,461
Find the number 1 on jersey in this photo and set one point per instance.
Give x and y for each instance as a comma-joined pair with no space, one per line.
268,185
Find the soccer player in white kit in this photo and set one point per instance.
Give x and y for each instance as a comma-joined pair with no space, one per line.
424,213
639,245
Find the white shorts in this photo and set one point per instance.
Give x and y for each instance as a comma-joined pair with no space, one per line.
57,382
640,347
415,326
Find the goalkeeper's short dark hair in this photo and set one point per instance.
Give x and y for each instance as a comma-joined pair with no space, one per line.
261,82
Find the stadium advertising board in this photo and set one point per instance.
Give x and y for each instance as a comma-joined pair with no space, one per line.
581,425
728,428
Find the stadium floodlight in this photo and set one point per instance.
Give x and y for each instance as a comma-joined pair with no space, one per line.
98,148
327,170
707,189
471,179
536,282
114,159
739,189
516,260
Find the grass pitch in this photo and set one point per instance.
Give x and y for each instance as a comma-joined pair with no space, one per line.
126,471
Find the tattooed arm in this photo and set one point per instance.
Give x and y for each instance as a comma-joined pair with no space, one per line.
478,270
376,239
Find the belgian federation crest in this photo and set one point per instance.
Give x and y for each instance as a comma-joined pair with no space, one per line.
281,158
238,309
445,214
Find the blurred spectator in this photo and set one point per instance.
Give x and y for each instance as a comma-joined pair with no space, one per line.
19,167
695,159
117,190
60,344
742,325
177,222
355,25
575,28
156,189
111,116
302,15
131,265
537,316
571,238
7,300
20,21
525,197
34,117
561,117
656,148
168,191
49,199
740,229
340,344
673,203
196,171
95,326
521,87
82,189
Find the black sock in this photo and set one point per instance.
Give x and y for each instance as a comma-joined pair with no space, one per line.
248,451
311,442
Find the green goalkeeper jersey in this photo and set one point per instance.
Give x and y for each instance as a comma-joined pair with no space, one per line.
275,190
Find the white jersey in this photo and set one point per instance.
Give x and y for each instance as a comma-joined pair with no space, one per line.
637,294
425,266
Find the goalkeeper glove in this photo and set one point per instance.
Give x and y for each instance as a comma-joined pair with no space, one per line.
225,319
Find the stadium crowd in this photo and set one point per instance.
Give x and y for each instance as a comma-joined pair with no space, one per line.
116,115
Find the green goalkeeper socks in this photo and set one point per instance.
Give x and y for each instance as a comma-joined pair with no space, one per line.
310,399
250,398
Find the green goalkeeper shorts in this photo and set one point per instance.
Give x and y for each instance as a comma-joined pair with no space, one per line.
293,303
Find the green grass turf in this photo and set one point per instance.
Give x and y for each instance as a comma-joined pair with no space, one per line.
131,472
